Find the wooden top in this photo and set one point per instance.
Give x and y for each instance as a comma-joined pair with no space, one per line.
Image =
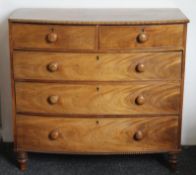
99,16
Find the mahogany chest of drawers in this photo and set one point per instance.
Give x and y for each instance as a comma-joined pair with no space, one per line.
97,81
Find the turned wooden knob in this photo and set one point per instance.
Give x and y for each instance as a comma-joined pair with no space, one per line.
142,38
54,135
52,67
53,99
140,67
140,100
138,136
52,37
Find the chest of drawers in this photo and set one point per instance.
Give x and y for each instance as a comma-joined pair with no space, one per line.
97,81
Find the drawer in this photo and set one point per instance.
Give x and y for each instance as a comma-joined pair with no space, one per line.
105,98
97,67
140,37
96,135
32,36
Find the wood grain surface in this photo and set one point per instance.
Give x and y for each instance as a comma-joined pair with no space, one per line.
126,37
97,67
155,97
26,36
96,135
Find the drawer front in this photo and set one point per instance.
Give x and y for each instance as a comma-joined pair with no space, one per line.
97,67
96,135
127,37
129,98
53,37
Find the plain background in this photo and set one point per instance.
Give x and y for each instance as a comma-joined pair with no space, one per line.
187,6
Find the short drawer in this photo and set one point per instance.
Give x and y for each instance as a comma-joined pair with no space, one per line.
126,98
140,37
96,135
97,67
32,36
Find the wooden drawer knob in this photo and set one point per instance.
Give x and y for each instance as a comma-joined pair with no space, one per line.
140,100
52,67
140,67
142,38
52,37
53,99
138,136
54,135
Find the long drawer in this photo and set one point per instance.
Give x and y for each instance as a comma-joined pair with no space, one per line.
141,37
96,135
97,67
126,98
34,36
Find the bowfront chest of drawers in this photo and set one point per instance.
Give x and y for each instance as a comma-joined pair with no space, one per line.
97,81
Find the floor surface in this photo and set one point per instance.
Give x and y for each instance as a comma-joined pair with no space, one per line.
54,164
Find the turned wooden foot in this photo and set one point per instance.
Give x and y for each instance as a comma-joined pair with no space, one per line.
22,158
173,161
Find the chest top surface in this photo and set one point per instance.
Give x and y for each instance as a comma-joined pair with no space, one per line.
100,16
